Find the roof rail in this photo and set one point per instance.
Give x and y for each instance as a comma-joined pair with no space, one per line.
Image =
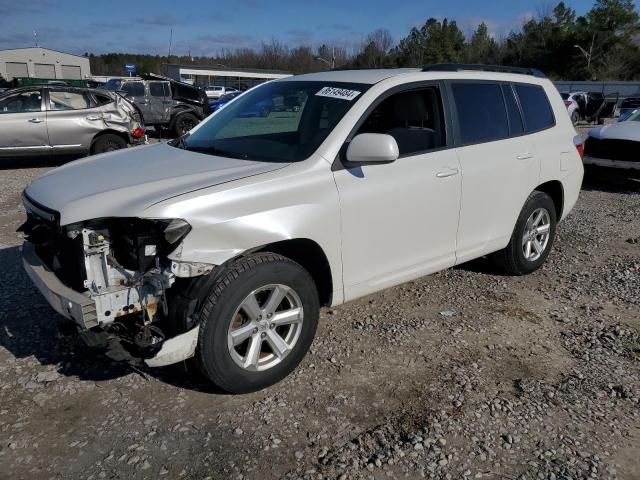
457,67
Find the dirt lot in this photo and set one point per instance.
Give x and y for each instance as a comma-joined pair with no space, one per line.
463,374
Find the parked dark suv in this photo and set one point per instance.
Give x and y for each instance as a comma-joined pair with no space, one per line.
163,102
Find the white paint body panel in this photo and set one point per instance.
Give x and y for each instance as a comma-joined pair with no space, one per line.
380,226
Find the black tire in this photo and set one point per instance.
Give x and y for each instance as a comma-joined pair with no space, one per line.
239,280
183,123
108,143
575,117
512,258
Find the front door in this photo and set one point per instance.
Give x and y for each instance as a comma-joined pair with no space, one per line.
23,127
399,220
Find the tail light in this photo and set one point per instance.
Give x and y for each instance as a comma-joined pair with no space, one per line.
567,103
137,133
578,141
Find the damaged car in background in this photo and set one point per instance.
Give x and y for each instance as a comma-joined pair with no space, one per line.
53,120
616,145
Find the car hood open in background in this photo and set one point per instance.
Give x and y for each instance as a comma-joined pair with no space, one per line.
617,131
124,183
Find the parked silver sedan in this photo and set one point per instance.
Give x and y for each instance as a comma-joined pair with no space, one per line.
49,120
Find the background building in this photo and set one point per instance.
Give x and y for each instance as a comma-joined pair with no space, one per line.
240,78
43,63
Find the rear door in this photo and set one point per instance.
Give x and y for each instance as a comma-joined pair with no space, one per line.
72,119
159,102
498,162
137,94
23,127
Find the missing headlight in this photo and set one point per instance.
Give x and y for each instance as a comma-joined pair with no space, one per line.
138,242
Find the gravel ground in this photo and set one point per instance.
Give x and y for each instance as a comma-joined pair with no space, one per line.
459,375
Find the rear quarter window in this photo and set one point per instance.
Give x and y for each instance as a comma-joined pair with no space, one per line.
536,108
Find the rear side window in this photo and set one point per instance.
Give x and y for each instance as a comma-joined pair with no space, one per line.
535,108
516,127
482,114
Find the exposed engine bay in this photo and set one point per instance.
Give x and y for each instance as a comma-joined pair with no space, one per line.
121,266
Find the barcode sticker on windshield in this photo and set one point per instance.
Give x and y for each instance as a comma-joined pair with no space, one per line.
341,93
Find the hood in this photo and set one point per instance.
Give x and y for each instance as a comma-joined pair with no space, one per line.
126,182
617,131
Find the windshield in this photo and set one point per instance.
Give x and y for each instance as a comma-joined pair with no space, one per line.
228,97
634,116
282,121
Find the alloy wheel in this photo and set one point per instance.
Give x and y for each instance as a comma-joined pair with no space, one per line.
265,327
536,234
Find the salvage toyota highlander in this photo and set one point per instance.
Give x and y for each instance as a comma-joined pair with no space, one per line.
224,244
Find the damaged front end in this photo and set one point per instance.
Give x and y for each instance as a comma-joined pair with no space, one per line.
113,278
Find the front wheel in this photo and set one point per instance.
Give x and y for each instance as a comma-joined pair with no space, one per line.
532,236
257,323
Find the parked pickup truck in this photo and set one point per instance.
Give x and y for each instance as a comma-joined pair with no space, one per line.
163,102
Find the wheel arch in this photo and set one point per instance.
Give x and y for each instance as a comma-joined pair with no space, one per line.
555,190
310,256
108,131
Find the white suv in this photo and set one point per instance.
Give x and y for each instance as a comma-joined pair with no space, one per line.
214,92
225,244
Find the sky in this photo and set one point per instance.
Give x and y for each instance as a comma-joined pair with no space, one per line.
207,27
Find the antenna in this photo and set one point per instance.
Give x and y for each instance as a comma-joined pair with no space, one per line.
35,38
170,42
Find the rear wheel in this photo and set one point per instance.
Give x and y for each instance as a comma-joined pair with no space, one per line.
257,323
532,236
108,143
184,123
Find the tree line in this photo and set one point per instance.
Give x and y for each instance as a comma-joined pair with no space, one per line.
603,44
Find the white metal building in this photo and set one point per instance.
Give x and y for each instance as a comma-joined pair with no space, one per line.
39,62
240,78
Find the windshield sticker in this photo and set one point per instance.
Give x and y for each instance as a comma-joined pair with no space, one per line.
341,93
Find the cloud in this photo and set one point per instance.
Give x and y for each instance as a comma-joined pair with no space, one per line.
497,27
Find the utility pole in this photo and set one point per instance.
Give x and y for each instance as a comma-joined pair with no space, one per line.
35,38
170,43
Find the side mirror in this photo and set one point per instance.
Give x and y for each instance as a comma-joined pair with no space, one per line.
373,148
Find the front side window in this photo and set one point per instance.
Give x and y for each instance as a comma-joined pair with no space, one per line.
256,127
414,118
482,113
22,102
133,89
535,107
61,100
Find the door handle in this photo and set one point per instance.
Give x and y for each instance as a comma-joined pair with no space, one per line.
144,102
450,172
525,156
93,117
36,120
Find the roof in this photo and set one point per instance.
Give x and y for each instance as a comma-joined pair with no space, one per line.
224,69
369,76
41,48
